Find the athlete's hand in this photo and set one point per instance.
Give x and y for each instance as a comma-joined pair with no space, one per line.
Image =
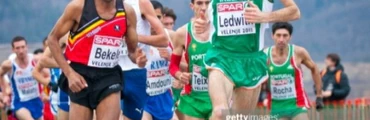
164,53
76,82
4,100
253,14
140,58
185,77
319,103
177,84
201,23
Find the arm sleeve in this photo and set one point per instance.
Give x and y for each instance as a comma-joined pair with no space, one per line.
174,64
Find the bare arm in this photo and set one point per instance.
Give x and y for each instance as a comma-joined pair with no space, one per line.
63,25
47,60
288,13
5,67
131,36
178,45
38,73
310,64
160,39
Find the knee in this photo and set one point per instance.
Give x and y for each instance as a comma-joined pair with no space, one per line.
219,111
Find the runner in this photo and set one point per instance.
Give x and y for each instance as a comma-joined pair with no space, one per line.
59,100
195,102
159,104
45,91
287,97
26,102
135,76
236,62
93,78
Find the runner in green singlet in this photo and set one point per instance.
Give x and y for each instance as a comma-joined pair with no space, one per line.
287,97
236,59
195,102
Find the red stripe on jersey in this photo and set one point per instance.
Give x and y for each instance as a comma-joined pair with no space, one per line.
187,87
302,100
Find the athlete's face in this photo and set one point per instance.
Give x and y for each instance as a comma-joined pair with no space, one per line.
168,22
199,6
329,62
20,48
159,15
281,38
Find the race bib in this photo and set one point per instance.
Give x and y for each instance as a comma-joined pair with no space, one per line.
27,88
105,51
158,82
123,50
283,88
230,20
199,82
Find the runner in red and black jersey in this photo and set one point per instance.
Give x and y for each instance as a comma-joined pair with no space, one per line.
93,78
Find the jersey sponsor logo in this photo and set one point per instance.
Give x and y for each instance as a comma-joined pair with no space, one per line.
231,20
158,64
105,51
105,40
282,86
93,32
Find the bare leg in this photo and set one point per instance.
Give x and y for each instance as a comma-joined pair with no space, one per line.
284,118
179,115
147,116
302,116
220,91
109,107
245,100
62,115
126,118
23,114
186,117
79,112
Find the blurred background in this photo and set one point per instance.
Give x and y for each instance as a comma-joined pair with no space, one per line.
326,26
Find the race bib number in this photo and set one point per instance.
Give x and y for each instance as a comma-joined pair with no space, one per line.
199,82
283,88
230,20
27,88
158,82
105,51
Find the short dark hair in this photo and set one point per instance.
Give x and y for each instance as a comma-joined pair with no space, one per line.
37,51
157,5
170,13
17,39
44,41
282,25
192,1
334,58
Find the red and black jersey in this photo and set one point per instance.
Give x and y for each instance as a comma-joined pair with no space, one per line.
96,43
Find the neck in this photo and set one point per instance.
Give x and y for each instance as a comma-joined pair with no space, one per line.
331,68
22,60
282,51
106,4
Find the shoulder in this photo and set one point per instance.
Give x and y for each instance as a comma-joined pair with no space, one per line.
6,64
300,51
182,29
74,8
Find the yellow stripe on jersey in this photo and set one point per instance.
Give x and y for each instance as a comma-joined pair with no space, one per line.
85,31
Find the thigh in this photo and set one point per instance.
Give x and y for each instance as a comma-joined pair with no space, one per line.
109,107
62,115
147,116
245,99
186,117
220,88
23,114
301,116
79,112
